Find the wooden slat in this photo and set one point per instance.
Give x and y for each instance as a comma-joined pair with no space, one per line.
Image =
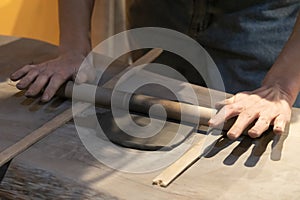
41,132
185,161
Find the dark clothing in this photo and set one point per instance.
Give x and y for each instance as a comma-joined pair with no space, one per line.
243,37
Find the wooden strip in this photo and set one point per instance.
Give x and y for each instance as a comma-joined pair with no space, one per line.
145,59
41,132
179,166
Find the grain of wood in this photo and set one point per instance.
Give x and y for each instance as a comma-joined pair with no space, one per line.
205,180
41,132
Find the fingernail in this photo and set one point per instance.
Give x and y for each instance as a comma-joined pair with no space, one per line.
45,97
211,121
278,129
231,136
252,131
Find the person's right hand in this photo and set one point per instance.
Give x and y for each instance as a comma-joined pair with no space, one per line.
47,77
267,105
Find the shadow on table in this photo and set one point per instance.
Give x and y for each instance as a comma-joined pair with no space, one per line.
34,104
244,145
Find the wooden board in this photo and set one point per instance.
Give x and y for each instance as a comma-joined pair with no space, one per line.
59,166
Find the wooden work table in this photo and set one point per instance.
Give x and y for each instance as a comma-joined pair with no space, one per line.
59,166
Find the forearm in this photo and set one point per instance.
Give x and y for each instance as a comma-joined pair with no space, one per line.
75,25
285,73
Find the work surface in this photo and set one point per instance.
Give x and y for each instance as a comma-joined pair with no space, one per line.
59,166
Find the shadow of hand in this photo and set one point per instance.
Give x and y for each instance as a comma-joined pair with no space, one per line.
244,144
34,104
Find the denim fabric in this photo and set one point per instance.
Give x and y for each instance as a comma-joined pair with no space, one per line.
243,37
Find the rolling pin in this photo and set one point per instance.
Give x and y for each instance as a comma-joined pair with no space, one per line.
142,103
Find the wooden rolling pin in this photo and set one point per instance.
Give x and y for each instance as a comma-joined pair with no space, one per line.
142,103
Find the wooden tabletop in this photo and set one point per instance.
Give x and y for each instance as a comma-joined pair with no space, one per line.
60,167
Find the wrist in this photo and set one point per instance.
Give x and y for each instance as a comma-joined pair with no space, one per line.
80,46
74,50
76,57
287,87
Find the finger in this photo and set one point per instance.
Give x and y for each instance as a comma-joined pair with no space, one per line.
81,78
54,84
38,85
280,123
91,73
21,72
262,124
85,74
242,122
27,79
225,113
221,104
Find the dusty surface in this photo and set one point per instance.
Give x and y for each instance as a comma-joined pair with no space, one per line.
59,166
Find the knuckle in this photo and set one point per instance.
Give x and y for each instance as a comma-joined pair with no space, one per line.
265,121
28,67
229,108
25,80
33,72
239,108
247,115
33,91
50,91
60,76
45,73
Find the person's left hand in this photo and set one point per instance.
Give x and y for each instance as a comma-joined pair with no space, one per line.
267,105
47,77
